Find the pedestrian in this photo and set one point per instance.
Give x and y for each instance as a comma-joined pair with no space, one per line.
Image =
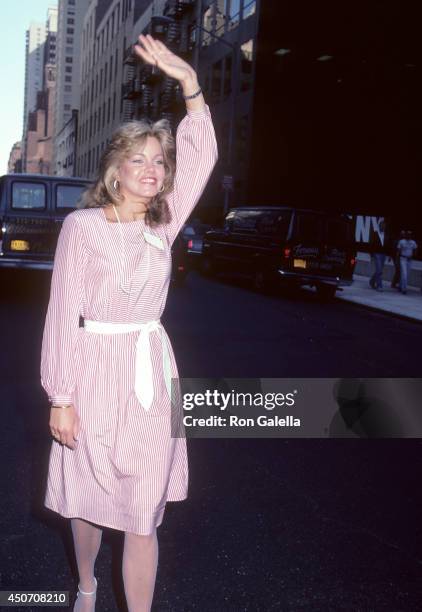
405,249
381,251
395,283
113,462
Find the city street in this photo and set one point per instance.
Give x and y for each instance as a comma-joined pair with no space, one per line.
275,524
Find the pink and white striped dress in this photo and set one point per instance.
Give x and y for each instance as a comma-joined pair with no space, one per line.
126,465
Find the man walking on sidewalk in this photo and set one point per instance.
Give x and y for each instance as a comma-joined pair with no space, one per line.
381,250
405,250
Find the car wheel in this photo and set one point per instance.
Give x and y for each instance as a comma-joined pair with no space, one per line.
327,292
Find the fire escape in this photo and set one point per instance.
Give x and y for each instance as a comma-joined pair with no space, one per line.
146,91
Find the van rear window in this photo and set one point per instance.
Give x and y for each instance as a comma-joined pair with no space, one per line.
29,196
69,196
309,227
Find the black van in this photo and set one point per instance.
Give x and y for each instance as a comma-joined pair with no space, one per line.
32,209
274,244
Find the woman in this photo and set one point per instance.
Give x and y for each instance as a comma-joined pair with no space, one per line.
114,461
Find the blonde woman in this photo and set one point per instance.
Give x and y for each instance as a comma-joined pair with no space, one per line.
113,461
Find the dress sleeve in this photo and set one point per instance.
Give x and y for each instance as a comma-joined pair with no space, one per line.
196,156
62,318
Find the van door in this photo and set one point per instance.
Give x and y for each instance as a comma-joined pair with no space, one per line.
306,242
241,247
338,253
27,227
273,228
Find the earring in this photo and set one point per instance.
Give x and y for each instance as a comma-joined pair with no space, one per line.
115,183
162,188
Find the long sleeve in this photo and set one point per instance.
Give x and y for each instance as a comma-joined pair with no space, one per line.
196,156
62,318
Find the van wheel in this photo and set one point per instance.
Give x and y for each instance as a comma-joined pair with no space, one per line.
326,292
207,266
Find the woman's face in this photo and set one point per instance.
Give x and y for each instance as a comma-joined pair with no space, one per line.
141,175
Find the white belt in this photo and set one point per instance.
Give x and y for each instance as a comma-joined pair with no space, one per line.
144,381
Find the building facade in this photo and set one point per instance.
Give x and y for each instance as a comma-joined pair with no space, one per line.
34,62
39,93
68,92
107,32
15,159
65,143
118,87
39,135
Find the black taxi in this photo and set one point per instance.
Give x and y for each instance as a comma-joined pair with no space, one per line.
283,245
32,209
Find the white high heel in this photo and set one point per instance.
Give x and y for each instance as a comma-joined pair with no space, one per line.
93,594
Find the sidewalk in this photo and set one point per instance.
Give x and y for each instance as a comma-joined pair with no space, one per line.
389,300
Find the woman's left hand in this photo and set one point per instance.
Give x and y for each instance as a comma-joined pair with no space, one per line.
156,53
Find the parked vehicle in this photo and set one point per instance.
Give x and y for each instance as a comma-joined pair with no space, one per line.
277,244
194,237
180,267
32,209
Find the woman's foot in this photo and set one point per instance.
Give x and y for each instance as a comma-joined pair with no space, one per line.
85,600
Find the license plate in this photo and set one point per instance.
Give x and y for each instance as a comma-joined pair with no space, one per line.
19,245
299,263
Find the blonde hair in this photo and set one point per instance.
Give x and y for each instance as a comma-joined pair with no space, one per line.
123,141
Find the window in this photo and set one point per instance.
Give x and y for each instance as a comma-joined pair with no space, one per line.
233,14
68,79
70,31
28,195
69,60
245,221
68,88
68,196
274,223
69,40
68,69
309,228
249,8
67,107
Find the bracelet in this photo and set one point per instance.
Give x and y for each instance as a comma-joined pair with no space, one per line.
61,406
193,95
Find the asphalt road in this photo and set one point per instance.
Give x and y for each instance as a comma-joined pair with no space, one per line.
275,524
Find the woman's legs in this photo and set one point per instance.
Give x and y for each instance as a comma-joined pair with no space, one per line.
87,541
140,561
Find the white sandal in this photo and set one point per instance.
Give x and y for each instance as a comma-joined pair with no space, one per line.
80,592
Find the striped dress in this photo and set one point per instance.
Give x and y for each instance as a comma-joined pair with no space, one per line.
126,465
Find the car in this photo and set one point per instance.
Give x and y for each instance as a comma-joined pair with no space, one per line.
283,246
194,237
179,268
32,209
